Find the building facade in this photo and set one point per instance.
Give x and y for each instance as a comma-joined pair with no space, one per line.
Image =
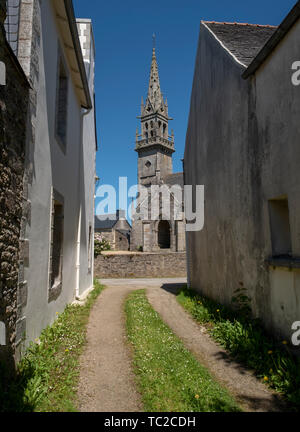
242,144
115,229
56,54
155,148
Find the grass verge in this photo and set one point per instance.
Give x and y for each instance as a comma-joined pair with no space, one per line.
245,339
170,379
47,377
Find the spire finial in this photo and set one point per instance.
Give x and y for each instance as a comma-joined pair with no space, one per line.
154,42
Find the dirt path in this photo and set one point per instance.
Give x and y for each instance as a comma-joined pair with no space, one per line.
107,380
248,390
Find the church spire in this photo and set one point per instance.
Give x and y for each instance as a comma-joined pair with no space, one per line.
155,96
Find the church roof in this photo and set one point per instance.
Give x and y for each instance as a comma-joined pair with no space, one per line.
174,179
244,41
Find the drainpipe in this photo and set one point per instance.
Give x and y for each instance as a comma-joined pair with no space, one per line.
78,244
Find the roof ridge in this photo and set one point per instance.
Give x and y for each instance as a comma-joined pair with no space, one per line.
238,23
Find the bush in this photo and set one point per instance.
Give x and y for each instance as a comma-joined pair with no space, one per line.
245,339
101,245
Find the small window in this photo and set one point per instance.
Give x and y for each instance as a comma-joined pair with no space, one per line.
62,104
280,227
56,252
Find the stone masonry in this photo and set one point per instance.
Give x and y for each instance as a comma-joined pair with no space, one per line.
143,265
12,156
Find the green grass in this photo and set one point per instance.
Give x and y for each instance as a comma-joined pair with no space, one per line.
170,379
245,339
47,377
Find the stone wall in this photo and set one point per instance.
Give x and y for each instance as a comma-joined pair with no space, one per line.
242,144
13,118
141,265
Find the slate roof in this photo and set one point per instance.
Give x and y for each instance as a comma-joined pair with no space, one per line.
275,39
174,179
244,41
110,221
107,223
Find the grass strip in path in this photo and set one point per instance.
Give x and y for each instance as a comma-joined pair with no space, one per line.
48,375
169,377
247,342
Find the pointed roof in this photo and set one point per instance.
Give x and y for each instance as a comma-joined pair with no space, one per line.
155,96
243,40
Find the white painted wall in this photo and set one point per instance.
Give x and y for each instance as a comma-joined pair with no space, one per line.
53,168
87,171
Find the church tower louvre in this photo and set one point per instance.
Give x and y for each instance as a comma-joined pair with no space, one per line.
154,145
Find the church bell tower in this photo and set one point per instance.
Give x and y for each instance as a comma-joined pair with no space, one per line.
154,145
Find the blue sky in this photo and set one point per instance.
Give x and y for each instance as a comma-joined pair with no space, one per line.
123,35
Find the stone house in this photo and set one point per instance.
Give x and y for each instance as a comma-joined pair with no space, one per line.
55,54
155,149
14,92
115,229
242,144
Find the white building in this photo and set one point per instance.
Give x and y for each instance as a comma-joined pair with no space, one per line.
57,55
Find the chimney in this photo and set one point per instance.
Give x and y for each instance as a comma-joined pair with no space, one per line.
121,215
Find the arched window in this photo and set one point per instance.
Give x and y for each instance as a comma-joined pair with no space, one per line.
164,129
147,135
146,125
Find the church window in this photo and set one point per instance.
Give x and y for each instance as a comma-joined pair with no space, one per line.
164,129
148,164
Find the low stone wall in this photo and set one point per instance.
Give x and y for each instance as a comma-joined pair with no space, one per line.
143,265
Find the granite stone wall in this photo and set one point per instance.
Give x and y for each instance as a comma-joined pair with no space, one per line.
143,265
13,120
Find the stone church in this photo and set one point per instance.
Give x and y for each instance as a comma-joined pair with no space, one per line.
155,148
